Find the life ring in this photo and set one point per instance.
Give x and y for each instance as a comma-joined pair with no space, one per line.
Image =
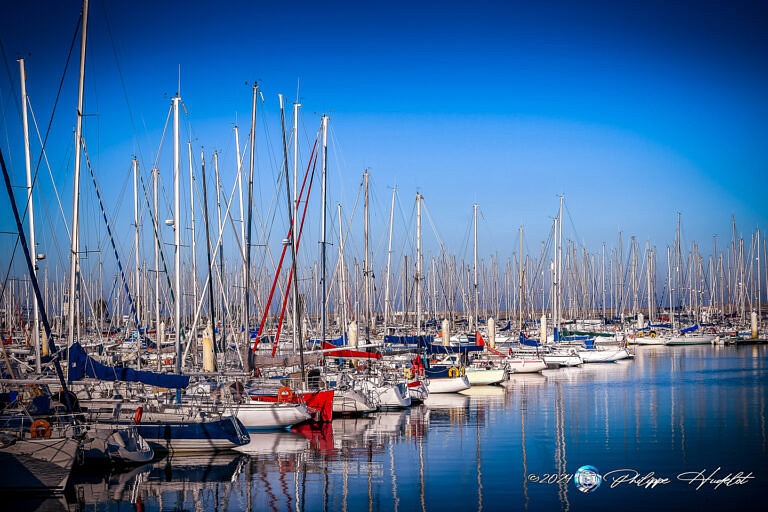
653,334
40,428
407,373
284,394
453,372
138,414
463,371
640,334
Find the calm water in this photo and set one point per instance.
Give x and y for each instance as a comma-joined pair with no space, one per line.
676,412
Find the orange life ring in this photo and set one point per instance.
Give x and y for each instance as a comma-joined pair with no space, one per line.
138,414
40,428
285,394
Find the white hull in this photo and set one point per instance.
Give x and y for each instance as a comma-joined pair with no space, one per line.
526,365
603,355
349,401
271,415
484,377
387,396
691,339
647,340
567,360
448,385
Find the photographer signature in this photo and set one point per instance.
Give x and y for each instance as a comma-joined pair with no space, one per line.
699,479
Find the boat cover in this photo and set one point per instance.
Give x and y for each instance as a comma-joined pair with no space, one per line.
82,365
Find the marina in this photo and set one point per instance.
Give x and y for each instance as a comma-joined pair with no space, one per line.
671,412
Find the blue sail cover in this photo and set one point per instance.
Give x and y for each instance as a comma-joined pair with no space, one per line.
506,327
82,365
528,341
689,329
405,340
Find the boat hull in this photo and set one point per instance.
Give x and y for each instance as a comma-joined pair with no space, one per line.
37,465
526,365
257,415
485,377
178,435
448,385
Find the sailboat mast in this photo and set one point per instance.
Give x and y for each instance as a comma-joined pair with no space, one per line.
192,227
247,238
294,215
221,247
387,306
419,199
211,308
74,250
520,283
31,213
342,301
177,236
474,270
137,276
159,327
366,262
292,242
323,219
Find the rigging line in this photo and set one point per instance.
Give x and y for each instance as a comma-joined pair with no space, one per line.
109,232
55,104
265,313
35,286
44,154
298,241
155,229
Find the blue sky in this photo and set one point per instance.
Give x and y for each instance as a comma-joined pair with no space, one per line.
633,110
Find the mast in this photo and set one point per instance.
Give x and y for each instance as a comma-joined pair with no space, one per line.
366,262
342,302
247,238
419,199
669,286
177,237
323,243
559,268
137,277
159,327
239,178
520,283
293,216
212,311
387,305
291,221
74,250
31,211
192,225
221,248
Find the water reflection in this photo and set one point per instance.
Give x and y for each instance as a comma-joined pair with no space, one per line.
667,411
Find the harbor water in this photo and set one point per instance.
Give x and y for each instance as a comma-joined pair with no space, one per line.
677,428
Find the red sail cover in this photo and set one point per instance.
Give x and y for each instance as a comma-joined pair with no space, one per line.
353,354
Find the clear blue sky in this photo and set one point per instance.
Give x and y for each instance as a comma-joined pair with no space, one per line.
633,110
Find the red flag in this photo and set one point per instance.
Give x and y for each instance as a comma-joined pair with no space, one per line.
479,341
